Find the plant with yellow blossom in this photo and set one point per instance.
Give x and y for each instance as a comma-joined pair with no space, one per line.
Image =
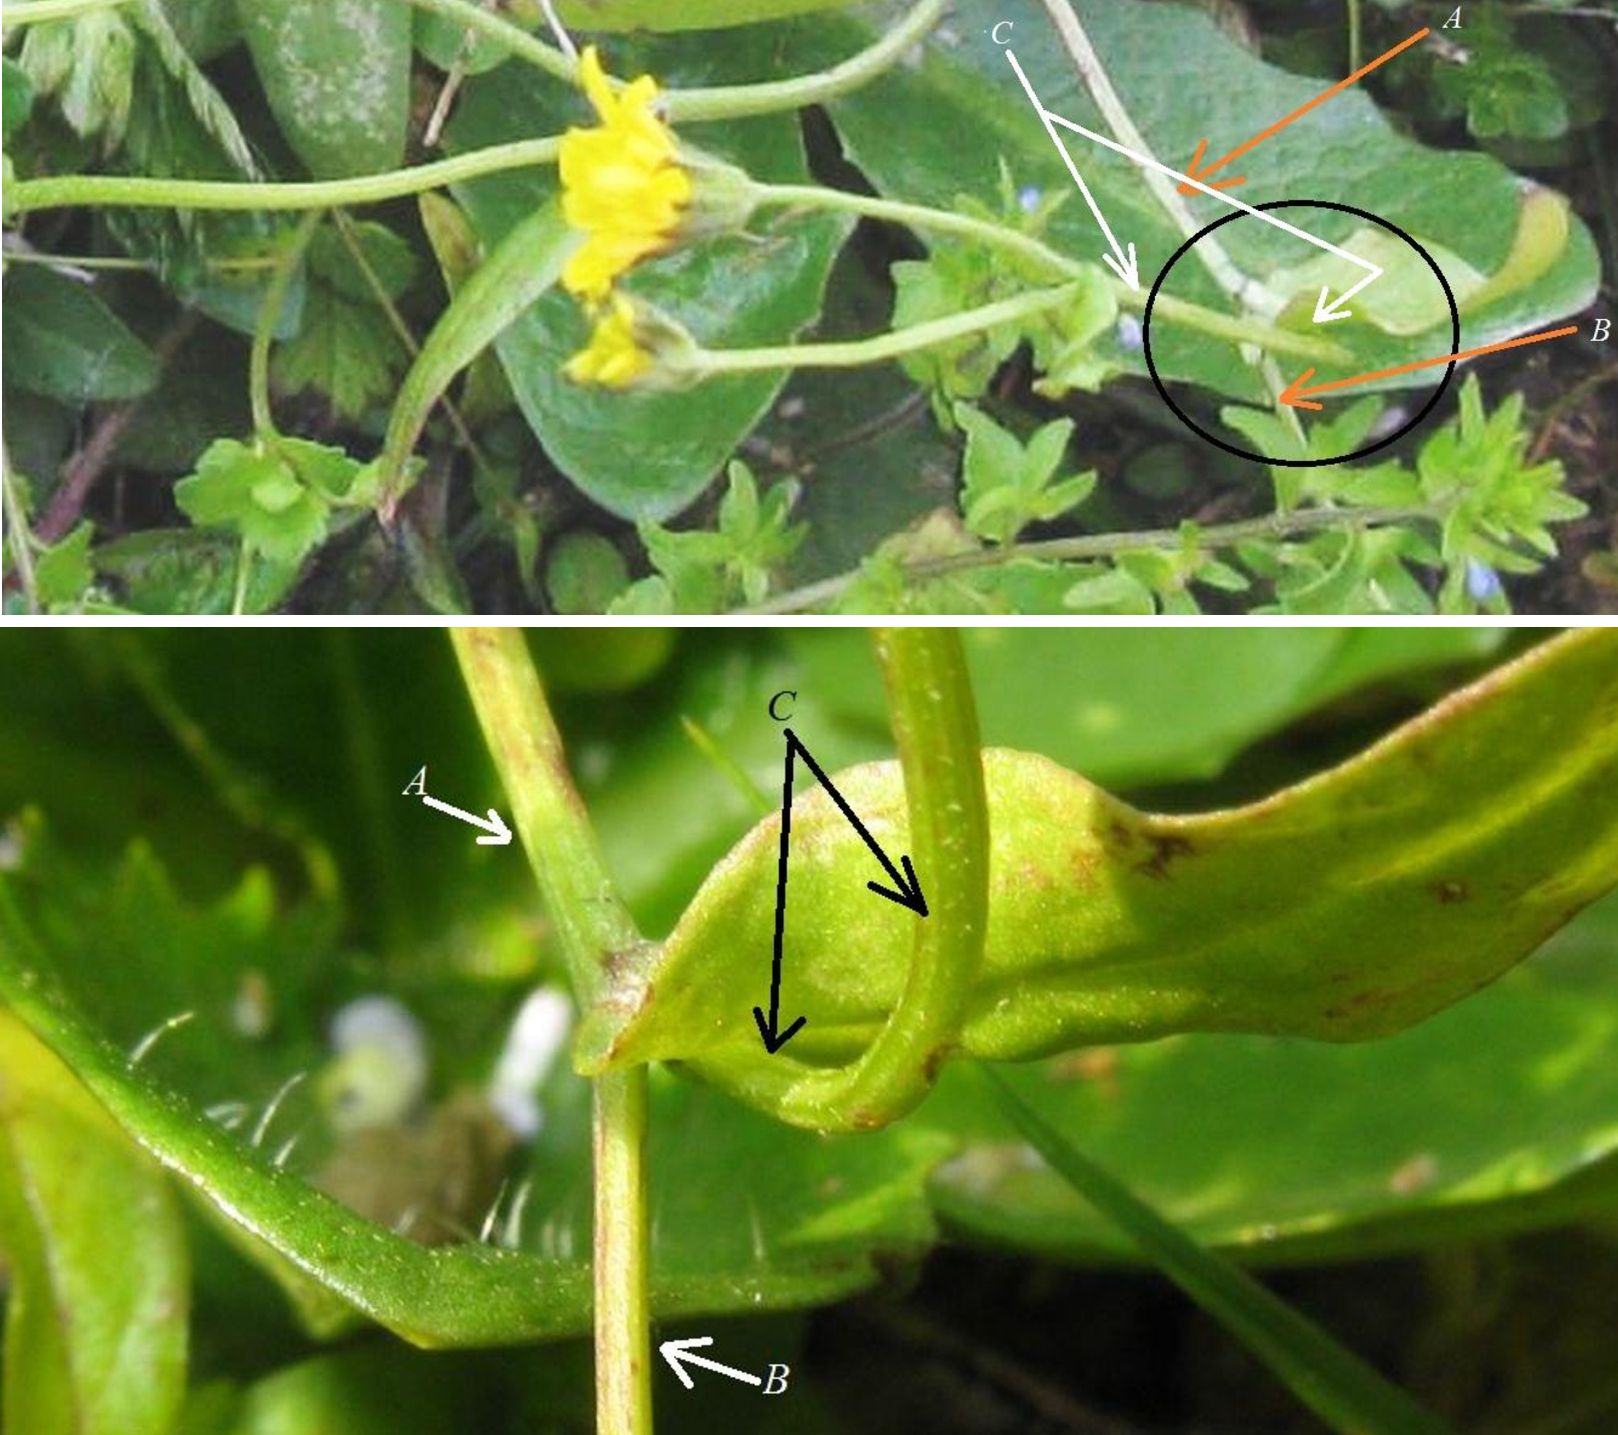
623,183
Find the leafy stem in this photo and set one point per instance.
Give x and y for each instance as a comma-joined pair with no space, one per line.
1109,545
594,930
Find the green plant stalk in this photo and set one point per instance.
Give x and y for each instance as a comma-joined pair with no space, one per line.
725,102
121,191
1110,545
1026,246
935,729
623,1324
269,315
851,353
595,931
18,535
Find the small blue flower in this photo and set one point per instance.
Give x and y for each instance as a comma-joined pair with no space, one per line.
1028,198
1129,333
1482,582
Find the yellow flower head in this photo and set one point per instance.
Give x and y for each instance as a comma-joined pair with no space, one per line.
614,357
622,182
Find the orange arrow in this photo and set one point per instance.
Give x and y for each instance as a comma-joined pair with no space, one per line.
1294,392
1202,174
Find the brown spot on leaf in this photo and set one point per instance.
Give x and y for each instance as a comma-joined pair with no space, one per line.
1166,847
933,1062
1448,892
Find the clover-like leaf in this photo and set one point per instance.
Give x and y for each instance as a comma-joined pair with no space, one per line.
1473,832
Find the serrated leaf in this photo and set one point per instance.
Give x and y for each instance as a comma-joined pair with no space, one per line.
1348,907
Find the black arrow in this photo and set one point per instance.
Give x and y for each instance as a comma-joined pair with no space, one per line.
909,893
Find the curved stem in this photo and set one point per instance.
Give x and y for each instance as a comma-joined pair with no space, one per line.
935,730
736,101
854,352
1109,545
269,315
720,102
121,191
935,727
1026,246
922,216
595,931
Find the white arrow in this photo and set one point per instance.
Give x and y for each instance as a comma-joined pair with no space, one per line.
1122,261
1326,309
499,833
678,1354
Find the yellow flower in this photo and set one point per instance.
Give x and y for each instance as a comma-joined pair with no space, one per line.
622,182
614,357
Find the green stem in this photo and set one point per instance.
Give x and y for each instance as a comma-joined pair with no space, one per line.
595,932
623,1325
244,566
936,733
723,102
269,315
854,352
851,353
30,12
593,927
121,262
1354,35
17,535
1088,63
121,191
737,101
1026,246
935,728
1110,545
922,216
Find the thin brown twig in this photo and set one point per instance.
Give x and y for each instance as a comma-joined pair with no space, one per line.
80,473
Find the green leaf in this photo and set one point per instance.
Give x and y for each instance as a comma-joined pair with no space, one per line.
184,570
1466,838
95,1338
648,455
1125,711
1494,1115
278,500
521,268
1330,1379
346,347
337,75
16,98
91,963
63,571
1006,485
584,573
63,342
943,129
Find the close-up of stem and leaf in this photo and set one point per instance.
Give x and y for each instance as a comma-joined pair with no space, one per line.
450,307
624,1031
